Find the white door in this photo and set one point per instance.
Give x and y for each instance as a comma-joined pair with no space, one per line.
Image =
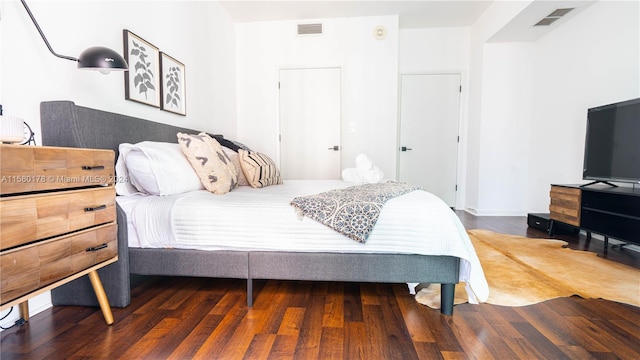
310,123
428,152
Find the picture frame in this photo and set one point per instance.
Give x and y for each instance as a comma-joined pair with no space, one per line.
142,80
173,88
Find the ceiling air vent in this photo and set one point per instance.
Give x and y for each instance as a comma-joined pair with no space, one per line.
553,17
309,29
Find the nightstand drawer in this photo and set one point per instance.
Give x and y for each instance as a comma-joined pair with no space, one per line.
25,169
28,218
34,266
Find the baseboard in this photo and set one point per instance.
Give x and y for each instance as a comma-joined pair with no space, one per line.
494,212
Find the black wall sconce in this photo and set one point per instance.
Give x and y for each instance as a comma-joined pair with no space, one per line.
94,58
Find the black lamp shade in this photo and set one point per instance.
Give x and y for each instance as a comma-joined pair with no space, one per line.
102,59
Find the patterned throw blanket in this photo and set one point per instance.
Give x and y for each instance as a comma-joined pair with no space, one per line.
351,211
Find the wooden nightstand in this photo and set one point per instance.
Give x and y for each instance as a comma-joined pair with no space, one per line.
57,221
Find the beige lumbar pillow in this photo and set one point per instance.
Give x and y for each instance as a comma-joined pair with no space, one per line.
259,169
213,166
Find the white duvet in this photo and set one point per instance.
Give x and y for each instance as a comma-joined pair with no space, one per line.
263,219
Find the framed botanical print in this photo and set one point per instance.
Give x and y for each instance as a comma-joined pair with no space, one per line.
173,90
142,80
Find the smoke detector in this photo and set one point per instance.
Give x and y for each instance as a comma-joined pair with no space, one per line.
379,32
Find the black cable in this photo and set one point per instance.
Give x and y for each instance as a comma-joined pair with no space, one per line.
17,322
4,317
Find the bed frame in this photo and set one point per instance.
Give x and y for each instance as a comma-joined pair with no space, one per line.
66,124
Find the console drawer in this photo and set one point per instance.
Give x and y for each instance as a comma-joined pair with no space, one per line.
33,266
28,218
565,205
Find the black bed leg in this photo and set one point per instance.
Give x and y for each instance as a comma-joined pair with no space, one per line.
447,292
249,292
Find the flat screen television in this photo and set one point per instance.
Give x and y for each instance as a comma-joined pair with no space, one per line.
612,146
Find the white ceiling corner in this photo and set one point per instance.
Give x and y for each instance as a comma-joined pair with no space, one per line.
521,27
411,13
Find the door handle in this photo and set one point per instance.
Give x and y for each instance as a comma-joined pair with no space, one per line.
335,148
404,148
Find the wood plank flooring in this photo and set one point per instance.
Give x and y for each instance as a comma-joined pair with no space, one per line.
195,318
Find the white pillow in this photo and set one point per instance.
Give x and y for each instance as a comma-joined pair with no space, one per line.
123,183
155,168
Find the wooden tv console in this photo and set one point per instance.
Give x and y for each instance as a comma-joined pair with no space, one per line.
609,211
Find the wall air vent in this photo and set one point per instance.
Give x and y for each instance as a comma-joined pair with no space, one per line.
553,17
309,29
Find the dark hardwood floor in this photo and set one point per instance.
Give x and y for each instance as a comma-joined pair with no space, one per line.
185,318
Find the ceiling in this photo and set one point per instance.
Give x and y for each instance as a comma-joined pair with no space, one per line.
412,14
521,28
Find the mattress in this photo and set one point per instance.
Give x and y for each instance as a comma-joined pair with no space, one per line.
263,219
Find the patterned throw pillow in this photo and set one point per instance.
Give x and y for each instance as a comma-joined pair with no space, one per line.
213,166
259,169
235,159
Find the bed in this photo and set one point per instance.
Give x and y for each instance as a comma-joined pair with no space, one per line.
66,124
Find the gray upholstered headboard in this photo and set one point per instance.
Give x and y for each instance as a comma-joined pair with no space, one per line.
66,124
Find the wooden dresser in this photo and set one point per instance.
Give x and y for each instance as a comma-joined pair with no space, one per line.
57,221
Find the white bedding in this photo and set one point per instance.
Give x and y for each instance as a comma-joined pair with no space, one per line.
263,219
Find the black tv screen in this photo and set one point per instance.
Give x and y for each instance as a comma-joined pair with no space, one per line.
612,147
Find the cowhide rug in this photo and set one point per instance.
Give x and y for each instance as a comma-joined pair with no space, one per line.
523,271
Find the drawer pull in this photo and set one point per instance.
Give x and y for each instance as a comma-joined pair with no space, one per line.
99,167
96,248
97,208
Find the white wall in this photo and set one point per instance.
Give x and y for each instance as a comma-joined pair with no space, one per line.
493,19
528,101
199,34
434,49
369,82
592,60
441,51
507,90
